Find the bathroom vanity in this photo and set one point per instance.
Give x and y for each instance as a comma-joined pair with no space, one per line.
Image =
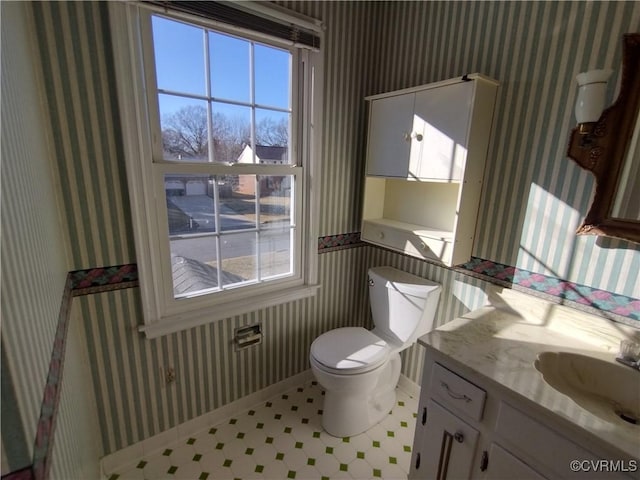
426,152
487,409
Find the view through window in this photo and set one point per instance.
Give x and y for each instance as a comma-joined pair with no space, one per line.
225,116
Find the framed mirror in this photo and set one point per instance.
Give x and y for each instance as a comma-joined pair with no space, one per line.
611,151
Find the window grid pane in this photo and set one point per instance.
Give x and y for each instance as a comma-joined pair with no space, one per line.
224,123
228,230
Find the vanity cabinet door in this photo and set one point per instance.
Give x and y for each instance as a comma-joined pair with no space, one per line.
389,142
502,465
447,446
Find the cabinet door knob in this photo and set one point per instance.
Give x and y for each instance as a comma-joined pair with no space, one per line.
409,136
459,437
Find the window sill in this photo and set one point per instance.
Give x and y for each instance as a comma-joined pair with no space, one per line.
195,318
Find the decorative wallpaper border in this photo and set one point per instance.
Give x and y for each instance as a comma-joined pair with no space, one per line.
340,241
51,398
583,295
103,279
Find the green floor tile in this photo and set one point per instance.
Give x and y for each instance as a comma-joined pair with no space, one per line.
298,444
344,467
311,461
377,473
390,434
196,457
345,440
203,476
213,431
406,448
360,455
251,412
227,463
248,451
172,469
269,440
291,474
279,456
141,464
401,403
167,452
404,424
219,446
240,435
287,429
260,425
328,450
259,468
393,460
316,434
376,444
191,441
233,421
115,476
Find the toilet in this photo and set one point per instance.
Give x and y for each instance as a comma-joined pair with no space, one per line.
359,368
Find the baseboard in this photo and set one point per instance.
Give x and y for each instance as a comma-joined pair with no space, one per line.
129,456
409,386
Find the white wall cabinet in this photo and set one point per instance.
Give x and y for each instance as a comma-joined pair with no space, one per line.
467,429
426,154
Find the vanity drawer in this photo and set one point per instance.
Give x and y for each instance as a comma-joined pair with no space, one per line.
456,392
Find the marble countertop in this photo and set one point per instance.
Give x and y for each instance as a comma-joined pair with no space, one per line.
502,341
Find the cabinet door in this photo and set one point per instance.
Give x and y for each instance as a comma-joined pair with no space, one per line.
389,141
504,466
447,446
440,127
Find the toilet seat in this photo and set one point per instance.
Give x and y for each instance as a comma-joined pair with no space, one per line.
349,350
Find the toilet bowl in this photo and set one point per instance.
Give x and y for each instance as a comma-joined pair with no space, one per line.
359,369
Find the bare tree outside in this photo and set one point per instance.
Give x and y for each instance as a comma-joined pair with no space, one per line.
185,134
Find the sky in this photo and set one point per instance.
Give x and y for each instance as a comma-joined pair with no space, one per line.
179,48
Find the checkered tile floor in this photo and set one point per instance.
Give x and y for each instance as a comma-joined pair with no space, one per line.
282,439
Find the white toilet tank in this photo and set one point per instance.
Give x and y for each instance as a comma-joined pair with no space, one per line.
403,305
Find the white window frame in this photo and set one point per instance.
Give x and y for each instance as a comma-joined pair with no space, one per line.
163,314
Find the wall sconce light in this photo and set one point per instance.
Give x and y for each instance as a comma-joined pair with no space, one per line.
592,86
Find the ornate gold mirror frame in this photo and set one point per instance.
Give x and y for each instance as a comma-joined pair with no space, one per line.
604,151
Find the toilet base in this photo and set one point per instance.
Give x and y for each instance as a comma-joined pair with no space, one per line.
350,409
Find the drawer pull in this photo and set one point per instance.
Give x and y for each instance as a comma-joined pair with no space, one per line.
424,415
454,395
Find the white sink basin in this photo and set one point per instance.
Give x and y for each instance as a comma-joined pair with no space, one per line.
605,388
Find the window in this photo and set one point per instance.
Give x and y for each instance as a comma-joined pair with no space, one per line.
220,149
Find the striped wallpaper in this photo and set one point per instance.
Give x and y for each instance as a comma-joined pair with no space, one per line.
34,266
371,47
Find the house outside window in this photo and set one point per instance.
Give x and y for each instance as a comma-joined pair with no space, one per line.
221,149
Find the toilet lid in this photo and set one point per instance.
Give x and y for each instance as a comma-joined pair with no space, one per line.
350,350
